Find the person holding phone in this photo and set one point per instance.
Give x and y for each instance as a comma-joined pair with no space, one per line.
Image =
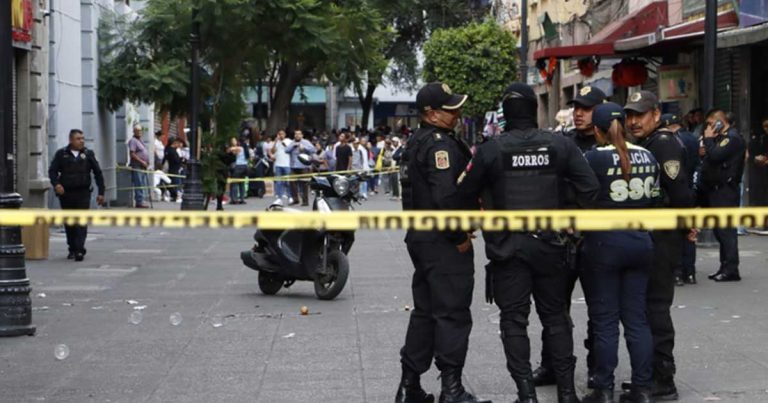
719,186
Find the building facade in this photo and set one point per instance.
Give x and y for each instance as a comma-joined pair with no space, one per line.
624,46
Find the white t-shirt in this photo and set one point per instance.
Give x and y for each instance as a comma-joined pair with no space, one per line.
282,158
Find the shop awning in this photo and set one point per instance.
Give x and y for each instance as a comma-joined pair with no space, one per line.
743,36
671,38
725,19
643,21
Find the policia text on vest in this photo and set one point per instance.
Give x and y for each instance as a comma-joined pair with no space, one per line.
425,220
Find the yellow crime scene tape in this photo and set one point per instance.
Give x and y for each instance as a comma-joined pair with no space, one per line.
534,220
285,178
296,177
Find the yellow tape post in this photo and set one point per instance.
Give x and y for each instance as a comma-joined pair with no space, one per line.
535,220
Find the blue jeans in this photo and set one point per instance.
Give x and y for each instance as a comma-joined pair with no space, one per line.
615,270
237,189
139,180
281,187
364,189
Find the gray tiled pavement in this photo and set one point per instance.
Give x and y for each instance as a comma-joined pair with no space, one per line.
344,351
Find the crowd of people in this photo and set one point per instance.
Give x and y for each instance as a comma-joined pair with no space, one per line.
254,155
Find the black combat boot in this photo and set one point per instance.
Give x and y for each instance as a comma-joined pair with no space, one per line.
453,391
664,389
410,390
637,395
566,391
543,376
526,391
599,396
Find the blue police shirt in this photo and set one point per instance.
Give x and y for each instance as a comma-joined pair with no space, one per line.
642,189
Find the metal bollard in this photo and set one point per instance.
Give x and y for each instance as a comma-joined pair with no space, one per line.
15,303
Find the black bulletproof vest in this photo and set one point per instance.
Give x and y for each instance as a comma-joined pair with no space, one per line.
75,171
408,168
528,172
714,174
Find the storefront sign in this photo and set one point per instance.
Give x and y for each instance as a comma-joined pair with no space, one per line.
676,83
22,18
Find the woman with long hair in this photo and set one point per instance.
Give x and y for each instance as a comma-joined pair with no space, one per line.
239,170
616,264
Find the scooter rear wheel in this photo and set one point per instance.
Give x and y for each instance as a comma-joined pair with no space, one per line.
330,285
270,283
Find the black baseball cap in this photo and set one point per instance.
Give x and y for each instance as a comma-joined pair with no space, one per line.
438,95
670,119
642,102
605,113
588,97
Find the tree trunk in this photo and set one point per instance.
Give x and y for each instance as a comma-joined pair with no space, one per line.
366,104
290,76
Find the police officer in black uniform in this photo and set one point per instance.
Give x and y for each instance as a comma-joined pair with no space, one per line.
719,186
526,168
643,122
685,272
444,261
70,174
583,136
583,105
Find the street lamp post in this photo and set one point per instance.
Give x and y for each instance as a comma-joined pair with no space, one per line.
15,304
710,49
193,188
524,41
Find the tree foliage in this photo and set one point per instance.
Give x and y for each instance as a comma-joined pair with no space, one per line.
243,42
406,24
479,60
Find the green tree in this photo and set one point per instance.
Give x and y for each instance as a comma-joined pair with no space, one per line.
479,60
405,26
284,42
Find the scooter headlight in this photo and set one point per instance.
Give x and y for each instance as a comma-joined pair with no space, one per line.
341,186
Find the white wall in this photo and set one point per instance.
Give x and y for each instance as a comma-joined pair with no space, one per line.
73,85
65,73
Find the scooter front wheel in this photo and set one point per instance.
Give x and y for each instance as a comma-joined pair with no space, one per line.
270,283
329,285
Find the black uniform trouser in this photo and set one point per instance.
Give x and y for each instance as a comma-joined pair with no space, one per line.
546,356
668,246
76,234
441,321
687,266
541,273
726,196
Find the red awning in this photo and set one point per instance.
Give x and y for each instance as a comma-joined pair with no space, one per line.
564,52
643,21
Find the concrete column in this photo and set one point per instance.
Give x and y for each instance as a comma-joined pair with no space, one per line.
32,69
